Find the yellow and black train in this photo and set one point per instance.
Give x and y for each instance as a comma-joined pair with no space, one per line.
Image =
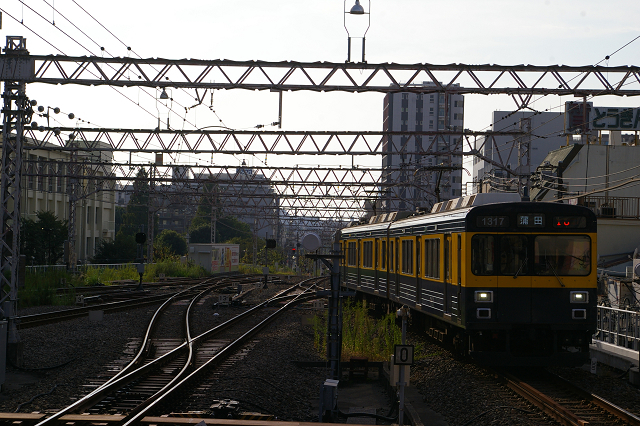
509,283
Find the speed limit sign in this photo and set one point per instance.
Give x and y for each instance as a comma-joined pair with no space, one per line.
403,355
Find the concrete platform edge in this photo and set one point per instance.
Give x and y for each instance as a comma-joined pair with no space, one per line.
415,410
613,356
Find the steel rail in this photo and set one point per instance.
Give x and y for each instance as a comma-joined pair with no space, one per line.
556,410
122,379
600,402
141,411
127,371
34,320
543,402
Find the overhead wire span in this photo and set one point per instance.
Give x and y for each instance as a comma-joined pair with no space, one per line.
136,54
84,47
607,57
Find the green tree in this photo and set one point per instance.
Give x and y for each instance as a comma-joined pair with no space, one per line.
122,249
201,234
226,227
120,211
175,242
135,216
42,240
230,227
137,210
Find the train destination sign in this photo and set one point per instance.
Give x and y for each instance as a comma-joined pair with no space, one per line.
569,222
530,221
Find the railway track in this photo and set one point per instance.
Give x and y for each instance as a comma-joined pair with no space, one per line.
563,401
129,299
165,367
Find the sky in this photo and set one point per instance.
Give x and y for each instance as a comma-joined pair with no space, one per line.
505,32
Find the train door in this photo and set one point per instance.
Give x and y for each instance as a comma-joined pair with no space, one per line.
418,268
447,274
343,263
513,301
396,267
459,274
359,262
389,265
376,262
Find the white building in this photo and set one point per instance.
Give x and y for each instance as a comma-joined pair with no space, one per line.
546,134
410,181
604,178
44,188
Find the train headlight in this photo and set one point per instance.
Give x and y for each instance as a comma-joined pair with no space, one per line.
483,313
484,296
579,297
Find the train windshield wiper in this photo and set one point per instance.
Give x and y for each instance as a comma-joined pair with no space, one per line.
554,272
524,262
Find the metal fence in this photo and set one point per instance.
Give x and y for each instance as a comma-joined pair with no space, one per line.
612,207
44,268
618,327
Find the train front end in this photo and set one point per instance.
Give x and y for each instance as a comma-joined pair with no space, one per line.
530,290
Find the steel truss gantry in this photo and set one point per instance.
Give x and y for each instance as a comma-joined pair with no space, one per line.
520,81
18,68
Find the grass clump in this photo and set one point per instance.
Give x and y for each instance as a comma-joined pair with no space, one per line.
172,269
57,287
42,289
362,335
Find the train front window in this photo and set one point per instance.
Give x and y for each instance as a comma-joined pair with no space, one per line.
562,255
513,255
482,254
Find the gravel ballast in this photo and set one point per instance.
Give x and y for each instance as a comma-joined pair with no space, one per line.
462,392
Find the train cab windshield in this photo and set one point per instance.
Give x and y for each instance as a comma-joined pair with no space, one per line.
518,255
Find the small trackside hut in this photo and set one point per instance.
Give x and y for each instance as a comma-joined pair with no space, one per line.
505,281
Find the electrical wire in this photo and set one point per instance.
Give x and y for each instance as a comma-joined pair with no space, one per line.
492,125
88,50
93,54
134,52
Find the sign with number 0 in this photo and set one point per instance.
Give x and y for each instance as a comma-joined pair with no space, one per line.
403,355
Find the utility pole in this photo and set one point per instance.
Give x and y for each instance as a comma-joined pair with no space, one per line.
524,158
151,214
214,213
73,169
329,390
16,114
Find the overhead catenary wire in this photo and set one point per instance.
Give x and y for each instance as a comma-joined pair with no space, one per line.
607,57
136,54
88,50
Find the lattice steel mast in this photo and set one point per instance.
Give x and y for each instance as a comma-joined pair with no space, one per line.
16,114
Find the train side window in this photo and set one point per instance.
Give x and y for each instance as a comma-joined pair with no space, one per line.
383,256
407,257
351,254
514,255
432,258
367,254
483,254
562,255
